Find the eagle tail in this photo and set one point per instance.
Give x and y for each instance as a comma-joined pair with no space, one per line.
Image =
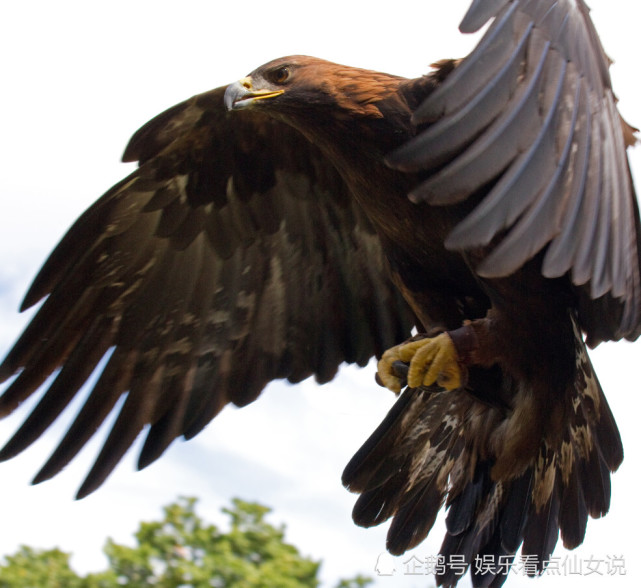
440,448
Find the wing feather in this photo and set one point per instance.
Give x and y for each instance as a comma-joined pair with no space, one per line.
233,256
526,127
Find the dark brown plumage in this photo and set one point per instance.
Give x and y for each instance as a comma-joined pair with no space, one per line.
327,213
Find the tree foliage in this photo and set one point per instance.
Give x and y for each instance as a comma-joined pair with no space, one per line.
30,567
182,551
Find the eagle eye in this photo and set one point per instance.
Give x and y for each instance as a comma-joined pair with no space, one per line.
279,75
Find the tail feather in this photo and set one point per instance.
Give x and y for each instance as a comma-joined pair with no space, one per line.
541,534
573,514
415,519
493,563
439,448
607,433
375,506
462,510
515,512
361,472
594,474
490,536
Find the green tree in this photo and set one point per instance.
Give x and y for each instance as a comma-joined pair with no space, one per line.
30,567
182,551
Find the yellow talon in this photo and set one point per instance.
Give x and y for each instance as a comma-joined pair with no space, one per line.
430,361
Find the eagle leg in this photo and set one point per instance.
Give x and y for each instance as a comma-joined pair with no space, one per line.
431,360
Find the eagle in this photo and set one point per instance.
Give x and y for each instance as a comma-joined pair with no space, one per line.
475,229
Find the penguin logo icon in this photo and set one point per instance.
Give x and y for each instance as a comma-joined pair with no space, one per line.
385,564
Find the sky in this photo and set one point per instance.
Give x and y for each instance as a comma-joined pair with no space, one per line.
78,79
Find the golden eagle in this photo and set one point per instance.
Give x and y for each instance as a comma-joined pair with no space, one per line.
313,214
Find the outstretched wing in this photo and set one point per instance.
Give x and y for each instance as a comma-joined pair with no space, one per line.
530,117
233,256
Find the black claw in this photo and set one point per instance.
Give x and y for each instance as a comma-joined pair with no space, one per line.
400,370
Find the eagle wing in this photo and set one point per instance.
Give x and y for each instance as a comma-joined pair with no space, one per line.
530,118
232,256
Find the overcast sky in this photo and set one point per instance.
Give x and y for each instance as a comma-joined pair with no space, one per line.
77,80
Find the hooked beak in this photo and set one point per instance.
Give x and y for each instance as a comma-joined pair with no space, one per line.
241,94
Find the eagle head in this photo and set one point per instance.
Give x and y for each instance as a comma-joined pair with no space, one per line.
300,83
274,84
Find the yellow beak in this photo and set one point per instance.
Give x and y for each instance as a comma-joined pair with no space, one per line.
241,94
